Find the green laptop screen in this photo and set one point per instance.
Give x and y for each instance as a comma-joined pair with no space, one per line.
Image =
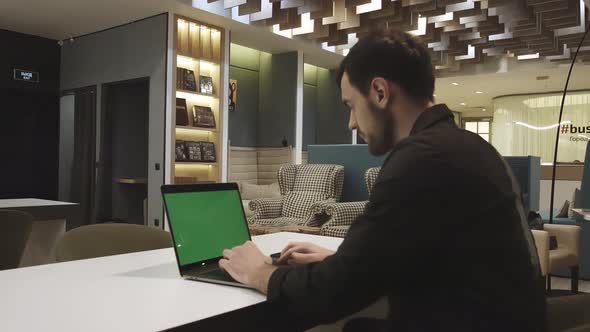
205,223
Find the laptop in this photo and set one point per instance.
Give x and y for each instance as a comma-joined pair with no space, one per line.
204,220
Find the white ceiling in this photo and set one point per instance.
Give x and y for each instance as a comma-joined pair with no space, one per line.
62,19
519,79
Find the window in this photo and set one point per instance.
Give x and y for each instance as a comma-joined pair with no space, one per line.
478,126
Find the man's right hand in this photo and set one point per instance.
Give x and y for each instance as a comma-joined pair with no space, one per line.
303,253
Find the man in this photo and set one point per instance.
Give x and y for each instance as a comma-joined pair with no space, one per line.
443,235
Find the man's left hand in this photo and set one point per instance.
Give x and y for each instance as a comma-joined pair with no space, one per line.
248,265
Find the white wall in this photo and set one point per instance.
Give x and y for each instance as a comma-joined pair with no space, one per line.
563,191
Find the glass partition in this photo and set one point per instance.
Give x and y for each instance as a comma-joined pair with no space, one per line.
525,125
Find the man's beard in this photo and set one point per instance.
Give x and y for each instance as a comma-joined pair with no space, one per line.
380,141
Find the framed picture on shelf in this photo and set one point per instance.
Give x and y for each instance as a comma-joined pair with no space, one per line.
233,95
193,151
185,79
180,151
203,117
208,151
181,112
206,85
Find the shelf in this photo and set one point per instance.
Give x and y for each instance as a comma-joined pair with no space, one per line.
197,93
131,180
212,130
204,163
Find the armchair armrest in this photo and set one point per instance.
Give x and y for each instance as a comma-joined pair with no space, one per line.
542,243
267,208
343,214
568,236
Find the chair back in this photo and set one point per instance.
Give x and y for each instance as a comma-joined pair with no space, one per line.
371,177
16,229
110,239
324,179
304,185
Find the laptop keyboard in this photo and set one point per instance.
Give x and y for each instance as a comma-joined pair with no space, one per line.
217,274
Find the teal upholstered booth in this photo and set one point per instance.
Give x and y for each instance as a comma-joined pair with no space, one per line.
356,160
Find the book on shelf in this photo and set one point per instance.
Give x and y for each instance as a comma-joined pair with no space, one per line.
206,85
180,151
185,79
189,151
208,151
203,117
193,151
181,112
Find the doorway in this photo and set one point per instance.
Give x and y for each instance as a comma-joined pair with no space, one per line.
123,167
77,153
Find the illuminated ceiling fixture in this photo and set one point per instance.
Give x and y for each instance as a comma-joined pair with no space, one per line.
542,128
369,7
478,92
285,33
306,25
528,56
463,104
455,83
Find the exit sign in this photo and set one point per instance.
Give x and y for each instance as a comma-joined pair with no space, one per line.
25,75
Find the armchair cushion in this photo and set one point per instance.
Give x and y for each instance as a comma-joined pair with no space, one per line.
251,191
298,204
280,221
344,214
266,208
334,231
541,239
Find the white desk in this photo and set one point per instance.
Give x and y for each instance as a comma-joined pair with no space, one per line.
48,228
133,292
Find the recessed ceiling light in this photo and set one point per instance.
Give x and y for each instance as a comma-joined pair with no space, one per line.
462,104
483,109
478,92
455,83
434,94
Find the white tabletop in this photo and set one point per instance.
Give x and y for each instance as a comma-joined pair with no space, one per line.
134,292
29,202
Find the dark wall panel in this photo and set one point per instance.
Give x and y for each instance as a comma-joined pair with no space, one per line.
29,117
243,121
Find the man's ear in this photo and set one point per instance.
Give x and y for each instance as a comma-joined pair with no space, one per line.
380,92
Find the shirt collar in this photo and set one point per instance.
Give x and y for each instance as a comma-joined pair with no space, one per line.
432,116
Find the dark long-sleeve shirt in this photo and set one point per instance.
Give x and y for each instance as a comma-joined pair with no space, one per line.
443,237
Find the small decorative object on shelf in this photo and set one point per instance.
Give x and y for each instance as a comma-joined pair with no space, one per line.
203,117
233,95
193,151
181,112
185,79
206,85
208,150
180,151
284,141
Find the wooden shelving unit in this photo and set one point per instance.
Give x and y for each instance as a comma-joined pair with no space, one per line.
199,48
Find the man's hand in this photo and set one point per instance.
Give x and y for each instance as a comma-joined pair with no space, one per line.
248,265
304,252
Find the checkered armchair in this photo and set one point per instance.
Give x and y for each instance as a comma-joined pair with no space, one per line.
341,215
302,186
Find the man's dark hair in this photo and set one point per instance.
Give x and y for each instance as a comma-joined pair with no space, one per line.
393,55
